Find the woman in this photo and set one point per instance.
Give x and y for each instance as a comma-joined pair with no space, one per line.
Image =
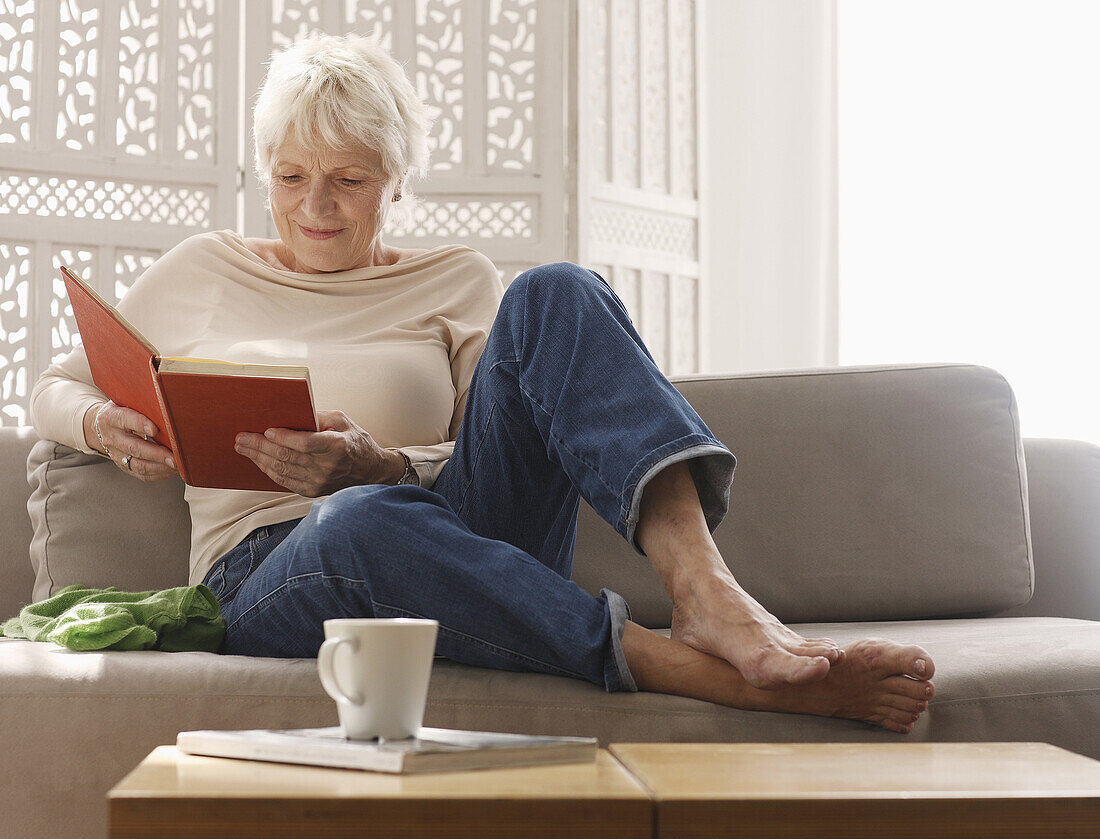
470,422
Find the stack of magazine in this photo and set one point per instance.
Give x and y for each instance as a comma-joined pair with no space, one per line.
435,750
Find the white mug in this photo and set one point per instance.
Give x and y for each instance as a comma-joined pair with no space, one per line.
377,670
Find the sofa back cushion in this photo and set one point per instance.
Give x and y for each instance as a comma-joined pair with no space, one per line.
860,494
876,493
95,526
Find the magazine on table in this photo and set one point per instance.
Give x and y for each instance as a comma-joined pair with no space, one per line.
435,750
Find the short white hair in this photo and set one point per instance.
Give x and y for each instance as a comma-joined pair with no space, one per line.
341,90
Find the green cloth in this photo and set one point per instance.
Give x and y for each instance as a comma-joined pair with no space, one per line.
174,620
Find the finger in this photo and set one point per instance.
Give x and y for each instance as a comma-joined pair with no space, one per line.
277,470
147,470
277,462
271,451
138,447
307,442
333,421
130,420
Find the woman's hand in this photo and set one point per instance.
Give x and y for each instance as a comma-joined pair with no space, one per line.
126,437
315,463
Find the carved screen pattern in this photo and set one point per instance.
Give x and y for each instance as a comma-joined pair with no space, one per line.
440,74
78,65
138,76
57,196
196,70
510,85
130,263
637,119
15,330
16,71
374,19
469,219
82,262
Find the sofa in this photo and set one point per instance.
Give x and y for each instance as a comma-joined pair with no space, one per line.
896,501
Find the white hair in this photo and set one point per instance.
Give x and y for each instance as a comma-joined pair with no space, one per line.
342,91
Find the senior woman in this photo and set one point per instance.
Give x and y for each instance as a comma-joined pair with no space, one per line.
464,424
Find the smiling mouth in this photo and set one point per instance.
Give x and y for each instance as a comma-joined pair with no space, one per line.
315,233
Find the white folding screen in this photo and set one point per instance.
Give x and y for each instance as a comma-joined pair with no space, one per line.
118,138
637,152
564,129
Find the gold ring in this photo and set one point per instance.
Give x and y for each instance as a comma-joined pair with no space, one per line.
126,462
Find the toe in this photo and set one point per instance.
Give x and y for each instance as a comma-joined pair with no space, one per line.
898,717
824,647
775,668
896,659
911,688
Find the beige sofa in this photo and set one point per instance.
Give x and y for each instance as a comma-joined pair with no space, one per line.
889,501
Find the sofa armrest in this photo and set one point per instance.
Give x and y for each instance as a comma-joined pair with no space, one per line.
16,575
1063,478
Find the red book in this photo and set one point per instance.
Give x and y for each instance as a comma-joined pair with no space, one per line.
198,405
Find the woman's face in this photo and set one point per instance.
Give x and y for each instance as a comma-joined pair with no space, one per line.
328,205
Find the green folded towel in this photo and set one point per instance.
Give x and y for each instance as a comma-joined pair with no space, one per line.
173,620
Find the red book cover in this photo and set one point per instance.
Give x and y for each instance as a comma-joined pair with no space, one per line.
198,405
208,410
120,357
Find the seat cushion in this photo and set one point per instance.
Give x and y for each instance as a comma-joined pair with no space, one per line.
75,723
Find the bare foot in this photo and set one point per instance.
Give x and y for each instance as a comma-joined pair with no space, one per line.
711,612
876,681
719,618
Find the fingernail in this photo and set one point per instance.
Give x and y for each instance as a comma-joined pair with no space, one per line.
269,434
919,666
170,463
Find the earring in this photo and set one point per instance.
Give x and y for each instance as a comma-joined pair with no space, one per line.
397,196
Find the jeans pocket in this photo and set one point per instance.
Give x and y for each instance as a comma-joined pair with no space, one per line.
230,572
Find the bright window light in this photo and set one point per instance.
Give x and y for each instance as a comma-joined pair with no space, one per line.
969,180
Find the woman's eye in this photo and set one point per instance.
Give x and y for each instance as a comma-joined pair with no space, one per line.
350,182
290,179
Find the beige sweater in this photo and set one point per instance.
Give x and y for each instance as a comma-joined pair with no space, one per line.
394,347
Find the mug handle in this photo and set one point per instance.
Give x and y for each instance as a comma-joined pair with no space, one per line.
326,657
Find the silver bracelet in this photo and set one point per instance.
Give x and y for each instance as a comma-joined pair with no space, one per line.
95,425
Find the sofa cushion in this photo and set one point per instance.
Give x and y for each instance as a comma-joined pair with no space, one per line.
874,493
97,527
1027,679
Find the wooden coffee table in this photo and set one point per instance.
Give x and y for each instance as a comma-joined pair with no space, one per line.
177,796
817,790
824,790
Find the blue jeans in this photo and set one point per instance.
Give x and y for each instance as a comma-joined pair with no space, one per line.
565,402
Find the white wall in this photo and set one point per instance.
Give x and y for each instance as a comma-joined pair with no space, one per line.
769,183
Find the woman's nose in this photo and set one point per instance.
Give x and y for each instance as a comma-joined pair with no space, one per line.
318,201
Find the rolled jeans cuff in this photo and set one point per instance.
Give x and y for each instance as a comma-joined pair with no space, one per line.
617,676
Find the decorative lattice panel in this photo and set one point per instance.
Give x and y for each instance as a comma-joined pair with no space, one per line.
637,202
16,328
118,138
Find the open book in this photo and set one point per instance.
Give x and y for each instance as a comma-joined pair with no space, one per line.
198,405
435,750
